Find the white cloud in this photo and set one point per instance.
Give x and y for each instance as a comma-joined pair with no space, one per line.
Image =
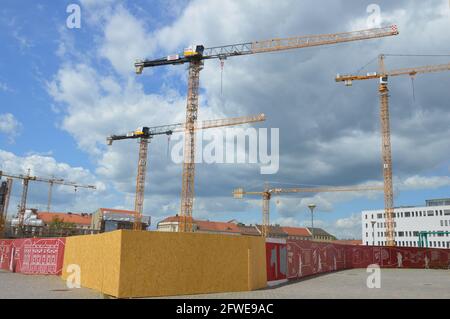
64,197
5,88
424,182
125,41
10,126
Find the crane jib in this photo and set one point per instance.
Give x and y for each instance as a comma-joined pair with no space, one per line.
278,44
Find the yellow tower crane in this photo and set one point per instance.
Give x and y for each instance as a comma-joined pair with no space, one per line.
196,54
268,192
386,152
145,134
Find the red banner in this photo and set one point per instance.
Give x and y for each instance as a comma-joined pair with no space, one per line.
305,258
33,256
399,257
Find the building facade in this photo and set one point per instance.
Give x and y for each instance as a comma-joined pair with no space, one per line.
409,222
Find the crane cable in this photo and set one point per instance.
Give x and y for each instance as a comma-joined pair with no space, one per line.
222,64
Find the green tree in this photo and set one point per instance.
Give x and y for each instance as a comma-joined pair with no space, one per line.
58,223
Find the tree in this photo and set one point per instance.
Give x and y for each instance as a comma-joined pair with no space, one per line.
58,223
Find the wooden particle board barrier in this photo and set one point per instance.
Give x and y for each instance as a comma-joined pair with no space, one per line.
127,263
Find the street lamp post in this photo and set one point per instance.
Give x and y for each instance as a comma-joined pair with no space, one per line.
311,207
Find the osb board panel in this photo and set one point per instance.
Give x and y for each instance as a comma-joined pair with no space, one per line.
99,259
165,264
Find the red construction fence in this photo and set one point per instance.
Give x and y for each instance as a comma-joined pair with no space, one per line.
32,256
306,258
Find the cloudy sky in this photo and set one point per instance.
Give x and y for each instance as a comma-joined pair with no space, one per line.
63,91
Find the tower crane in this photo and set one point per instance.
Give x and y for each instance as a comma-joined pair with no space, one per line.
383,76
268,192
145,134
196,54
27,178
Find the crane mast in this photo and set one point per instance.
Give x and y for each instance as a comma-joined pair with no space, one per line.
195,56
140,182
386,148
187,190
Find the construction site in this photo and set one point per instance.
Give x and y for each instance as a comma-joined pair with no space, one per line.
131,251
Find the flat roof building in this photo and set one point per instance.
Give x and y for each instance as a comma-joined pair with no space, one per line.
409,222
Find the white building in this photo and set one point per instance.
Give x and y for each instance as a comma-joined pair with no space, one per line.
409,222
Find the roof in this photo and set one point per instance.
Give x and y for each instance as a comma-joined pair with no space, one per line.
79,219
348,242
274,231
217,226
206,225
319,232
297,231
249,230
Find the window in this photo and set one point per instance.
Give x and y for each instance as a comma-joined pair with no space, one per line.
366,216
442,223
420,213
407,214
447,212
439,244
367,234
415,233
401,234
430,213
367,225
401,214
379,216
446,223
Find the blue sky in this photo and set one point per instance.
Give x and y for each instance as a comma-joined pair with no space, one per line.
62,91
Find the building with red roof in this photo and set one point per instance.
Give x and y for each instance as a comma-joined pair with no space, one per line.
79,220
297,233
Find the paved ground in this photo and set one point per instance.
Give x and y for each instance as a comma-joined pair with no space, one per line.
15,286
351,284
405,283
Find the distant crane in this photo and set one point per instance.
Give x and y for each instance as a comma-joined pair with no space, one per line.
27,178
145,134
383,91
268,192
196,54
